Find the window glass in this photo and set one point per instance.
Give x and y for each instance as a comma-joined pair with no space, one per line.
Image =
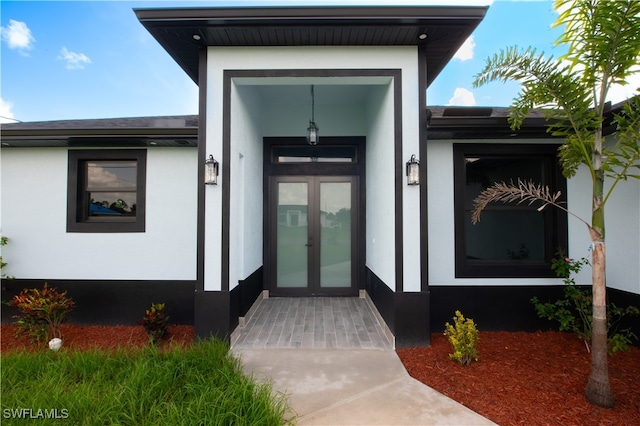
505,232
311,154
111,188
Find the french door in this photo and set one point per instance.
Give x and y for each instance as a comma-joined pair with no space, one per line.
313,235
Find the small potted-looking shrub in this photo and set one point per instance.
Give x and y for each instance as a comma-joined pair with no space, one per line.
155,323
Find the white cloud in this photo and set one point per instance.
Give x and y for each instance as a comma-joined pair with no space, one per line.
619,93
466,50
6,115
462,97
18,36
75,61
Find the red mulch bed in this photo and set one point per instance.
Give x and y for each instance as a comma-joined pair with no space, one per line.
78,337
529,379
520,378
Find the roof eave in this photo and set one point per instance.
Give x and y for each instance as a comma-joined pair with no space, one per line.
100,137
173,28
440,128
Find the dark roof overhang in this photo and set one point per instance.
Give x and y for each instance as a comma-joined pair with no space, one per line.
482,123
459,122
175,131
184,32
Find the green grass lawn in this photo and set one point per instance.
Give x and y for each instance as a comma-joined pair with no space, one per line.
199,385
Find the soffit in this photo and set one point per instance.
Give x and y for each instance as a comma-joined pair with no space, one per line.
446,28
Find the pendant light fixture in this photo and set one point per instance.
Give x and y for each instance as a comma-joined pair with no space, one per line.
312,130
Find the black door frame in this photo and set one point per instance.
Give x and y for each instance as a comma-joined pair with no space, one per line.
356,169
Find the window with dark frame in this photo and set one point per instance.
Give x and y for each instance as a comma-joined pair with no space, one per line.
511,240
106,191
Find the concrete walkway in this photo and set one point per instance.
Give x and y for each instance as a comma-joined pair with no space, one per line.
333,359
353,387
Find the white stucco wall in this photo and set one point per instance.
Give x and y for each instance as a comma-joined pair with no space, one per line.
279,119
246,217
622,221
34,209
380,237
622,227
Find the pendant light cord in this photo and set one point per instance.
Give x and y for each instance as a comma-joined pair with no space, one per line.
313,104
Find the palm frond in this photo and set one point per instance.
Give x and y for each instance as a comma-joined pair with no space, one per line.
602,39
622,161
522,192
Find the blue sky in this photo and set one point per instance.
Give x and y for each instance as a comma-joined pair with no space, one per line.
92,59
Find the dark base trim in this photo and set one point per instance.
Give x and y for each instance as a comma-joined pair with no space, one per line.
217,312
412,317
493,308
406,314
509,308
250,289
622,299
107,302
212,314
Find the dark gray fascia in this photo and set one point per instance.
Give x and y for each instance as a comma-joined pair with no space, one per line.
184,32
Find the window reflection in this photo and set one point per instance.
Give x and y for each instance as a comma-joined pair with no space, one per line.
111,188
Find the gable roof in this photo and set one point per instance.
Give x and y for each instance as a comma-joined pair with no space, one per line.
184,32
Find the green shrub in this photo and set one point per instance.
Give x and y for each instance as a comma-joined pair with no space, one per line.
41,312
574,311
463,336
155,323
3,242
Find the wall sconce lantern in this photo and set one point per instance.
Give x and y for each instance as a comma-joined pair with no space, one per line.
211,168
413,169
312,130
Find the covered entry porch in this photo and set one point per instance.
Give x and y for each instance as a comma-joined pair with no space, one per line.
249,214
245,222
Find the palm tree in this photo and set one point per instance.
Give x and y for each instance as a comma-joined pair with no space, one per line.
603,41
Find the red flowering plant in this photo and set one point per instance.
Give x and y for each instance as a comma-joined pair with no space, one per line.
42,311
155,323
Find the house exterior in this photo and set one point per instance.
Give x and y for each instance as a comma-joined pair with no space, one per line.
129,219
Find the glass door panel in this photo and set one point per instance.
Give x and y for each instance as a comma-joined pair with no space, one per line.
335,234
312,235
292,235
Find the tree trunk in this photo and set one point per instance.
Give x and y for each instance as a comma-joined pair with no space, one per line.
598,389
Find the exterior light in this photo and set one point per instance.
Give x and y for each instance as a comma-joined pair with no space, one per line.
312,130
413,169
211,167
312,133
